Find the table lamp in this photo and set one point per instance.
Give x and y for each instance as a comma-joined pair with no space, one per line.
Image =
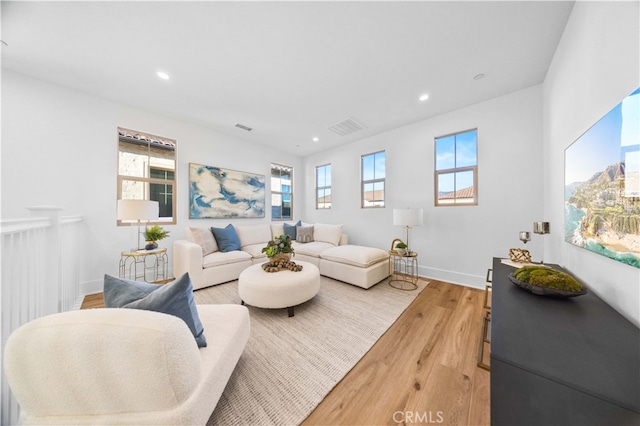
407,218
138,210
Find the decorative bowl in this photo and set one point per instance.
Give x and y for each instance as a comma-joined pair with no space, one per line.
545,291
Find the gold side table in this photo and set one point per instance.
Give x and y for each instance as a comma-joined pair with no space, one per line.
148,265
403,269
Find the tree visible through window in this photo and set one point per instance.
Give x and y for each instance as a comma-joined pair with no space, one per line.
147,170
323,187
456,169
281,192
373,179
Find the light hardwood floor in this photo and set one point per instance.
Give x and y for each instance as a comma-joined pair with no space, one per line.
421,371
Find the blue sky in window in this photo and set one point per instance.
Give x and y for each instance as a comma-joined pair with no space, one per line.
459,150
599,147
373,166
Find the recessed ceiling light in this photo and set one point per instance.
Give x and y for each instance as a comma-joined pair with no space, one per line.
315,139
424,97
478,76
163,75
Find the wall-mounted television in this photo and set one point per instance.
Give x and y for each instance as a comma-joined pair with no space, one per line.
602,185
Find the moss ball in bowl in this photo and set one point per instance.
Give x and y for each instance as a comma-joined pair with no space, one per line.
547,281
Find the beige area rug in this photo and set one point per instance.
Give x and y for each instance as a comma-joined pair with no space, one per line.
290,364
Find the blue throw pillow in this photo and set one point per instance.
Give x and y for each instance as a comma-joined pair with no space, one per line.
290,230
227,238
174,298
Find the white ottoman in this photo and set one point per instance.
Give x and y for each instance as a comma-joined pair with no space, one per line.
276,290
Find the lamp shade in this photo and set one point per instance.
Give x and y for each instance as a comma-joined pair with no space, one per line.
407,217
138,210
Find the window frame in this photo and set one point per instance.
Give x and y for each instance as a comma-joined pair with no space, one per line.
324,187
148,181
290,193
455,170
373,181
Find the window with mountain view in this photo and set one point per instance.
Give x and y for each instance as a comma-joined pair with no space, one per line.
373,179
456,169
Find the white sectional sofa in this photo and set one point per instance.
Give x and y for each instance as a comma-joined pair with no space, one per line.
200,256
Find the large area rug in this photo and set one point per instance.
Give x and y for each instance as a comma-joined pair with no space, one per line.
290,364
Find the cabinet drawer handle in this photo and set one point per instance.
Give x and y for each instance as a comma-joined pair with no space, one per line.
489,272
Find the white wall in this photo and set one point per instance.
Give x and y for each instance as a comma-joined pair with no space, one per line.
595,66
455,244
59,147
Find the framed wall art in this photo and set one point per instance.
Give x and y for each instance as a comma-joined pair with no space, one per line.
219,193
602,185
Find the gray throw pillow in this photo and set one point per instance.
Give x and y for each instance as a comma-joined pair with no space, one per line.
174,298
304,234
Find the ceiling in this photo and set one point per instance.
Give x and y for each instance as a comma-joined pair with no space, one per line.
288,70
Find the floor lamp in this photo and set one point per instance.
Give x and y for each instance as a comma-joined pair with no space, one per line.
138,210
407,218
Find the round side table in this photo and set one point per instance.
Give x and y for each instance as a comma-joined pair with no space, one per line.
403,270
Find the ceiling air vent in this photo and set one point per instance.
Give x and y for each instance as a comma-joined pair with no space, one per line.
346,127
243,127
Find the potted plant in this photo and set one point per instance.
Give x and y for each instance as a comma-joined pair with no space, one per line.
154,234
401,248
279,247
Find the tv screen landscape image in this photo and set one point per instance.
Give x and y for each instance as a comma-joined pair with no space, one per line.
602,185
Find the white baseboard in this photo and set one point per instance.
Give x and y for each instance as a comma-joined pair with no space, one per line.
469,280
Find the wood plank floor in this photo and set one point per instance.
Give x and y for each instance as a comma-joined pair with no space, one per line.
422,370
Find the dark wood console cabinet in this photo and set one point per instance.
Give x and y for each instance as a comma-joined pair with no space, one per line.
571,361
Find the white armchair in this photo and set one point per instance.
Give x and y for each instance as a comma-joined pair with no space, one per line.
123,366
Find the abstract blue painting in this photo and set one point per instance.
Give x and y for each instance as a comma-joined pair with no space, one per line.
219,193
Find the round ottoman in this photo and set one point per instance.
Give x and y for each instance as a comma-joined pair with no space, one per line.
276,290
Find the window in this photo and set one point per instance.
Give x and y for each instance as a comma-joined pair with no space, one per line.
373,175
456,170
281,192
323,187
147,171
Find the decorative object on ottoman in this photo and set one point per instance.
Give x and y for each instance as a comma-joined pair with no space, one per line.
154,234
545,281
279,248
519,255
277,265
276,291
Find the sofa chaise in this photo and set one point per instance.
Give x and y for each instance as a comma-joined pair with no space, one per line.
207,265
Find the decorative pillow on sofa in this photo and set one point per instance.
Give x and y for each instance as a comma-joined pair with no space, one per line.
227,238
174,298
327,233
304,234
204,238
290,229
